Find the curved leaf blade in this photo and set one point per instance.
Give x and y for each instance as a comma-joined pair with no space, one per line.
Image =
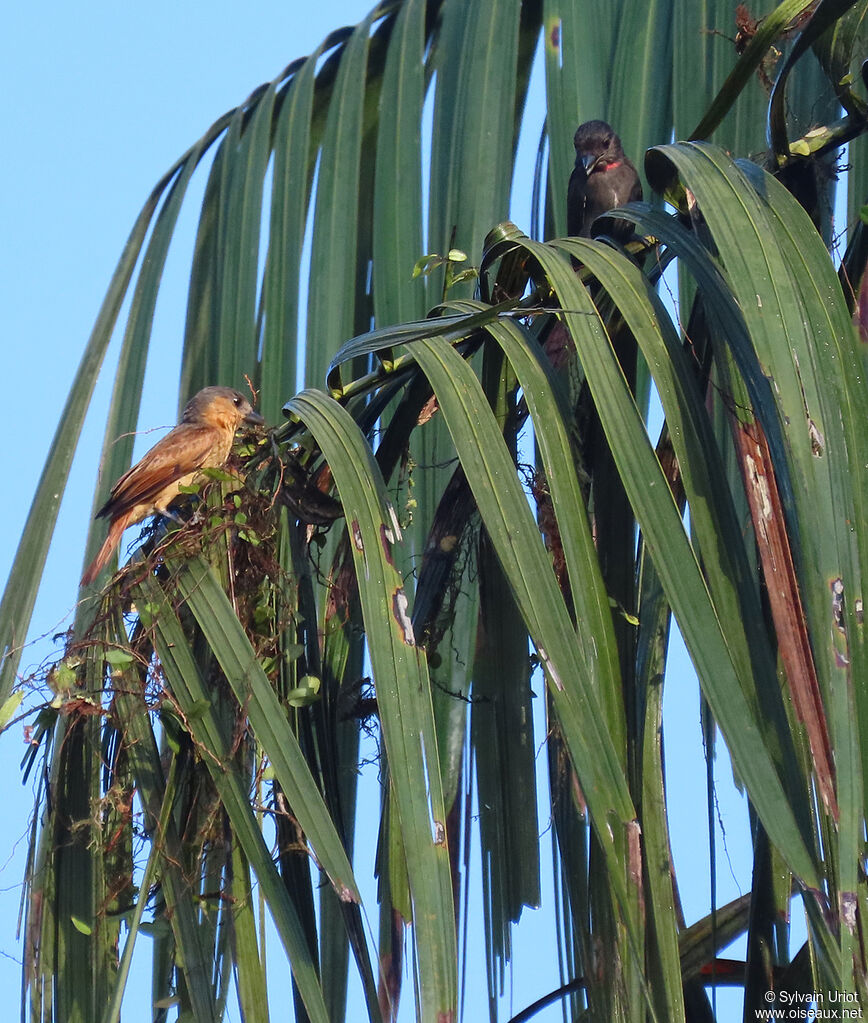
403,693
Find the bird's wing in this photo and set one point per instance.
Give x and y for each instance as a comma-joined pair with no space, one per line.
576,202
182,451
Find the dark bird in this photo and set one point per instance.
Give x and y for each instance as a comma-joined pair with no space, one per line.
201,440
603,178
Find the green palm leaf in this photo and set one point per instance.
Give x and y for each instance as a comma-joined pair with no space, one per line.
390,528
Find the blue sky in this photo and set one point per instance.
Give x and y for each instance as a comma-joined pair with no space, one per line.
100,101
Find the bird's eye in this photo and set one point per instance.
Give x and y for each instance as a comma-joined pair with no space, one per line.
236,401
608,141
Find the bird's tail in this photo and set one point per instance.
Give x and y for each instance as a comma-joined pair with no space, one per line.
116,530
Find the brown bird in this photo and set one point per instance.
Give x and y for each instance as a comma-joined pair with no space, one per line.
603,178
201,440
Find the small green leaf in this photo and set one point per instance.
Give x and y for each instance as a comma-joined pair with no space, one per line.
173,740
118,658
173,729
9,707
62,679
81,926
262,615
218,474
630,619
198,708
305,692
147,612
465,275
426,264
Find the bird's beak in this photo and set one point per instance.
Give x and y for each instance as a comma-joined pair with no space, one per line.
254,417
590,161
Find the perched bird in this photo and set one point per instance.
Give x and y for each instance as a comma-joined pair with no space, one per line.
603,178
201,440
